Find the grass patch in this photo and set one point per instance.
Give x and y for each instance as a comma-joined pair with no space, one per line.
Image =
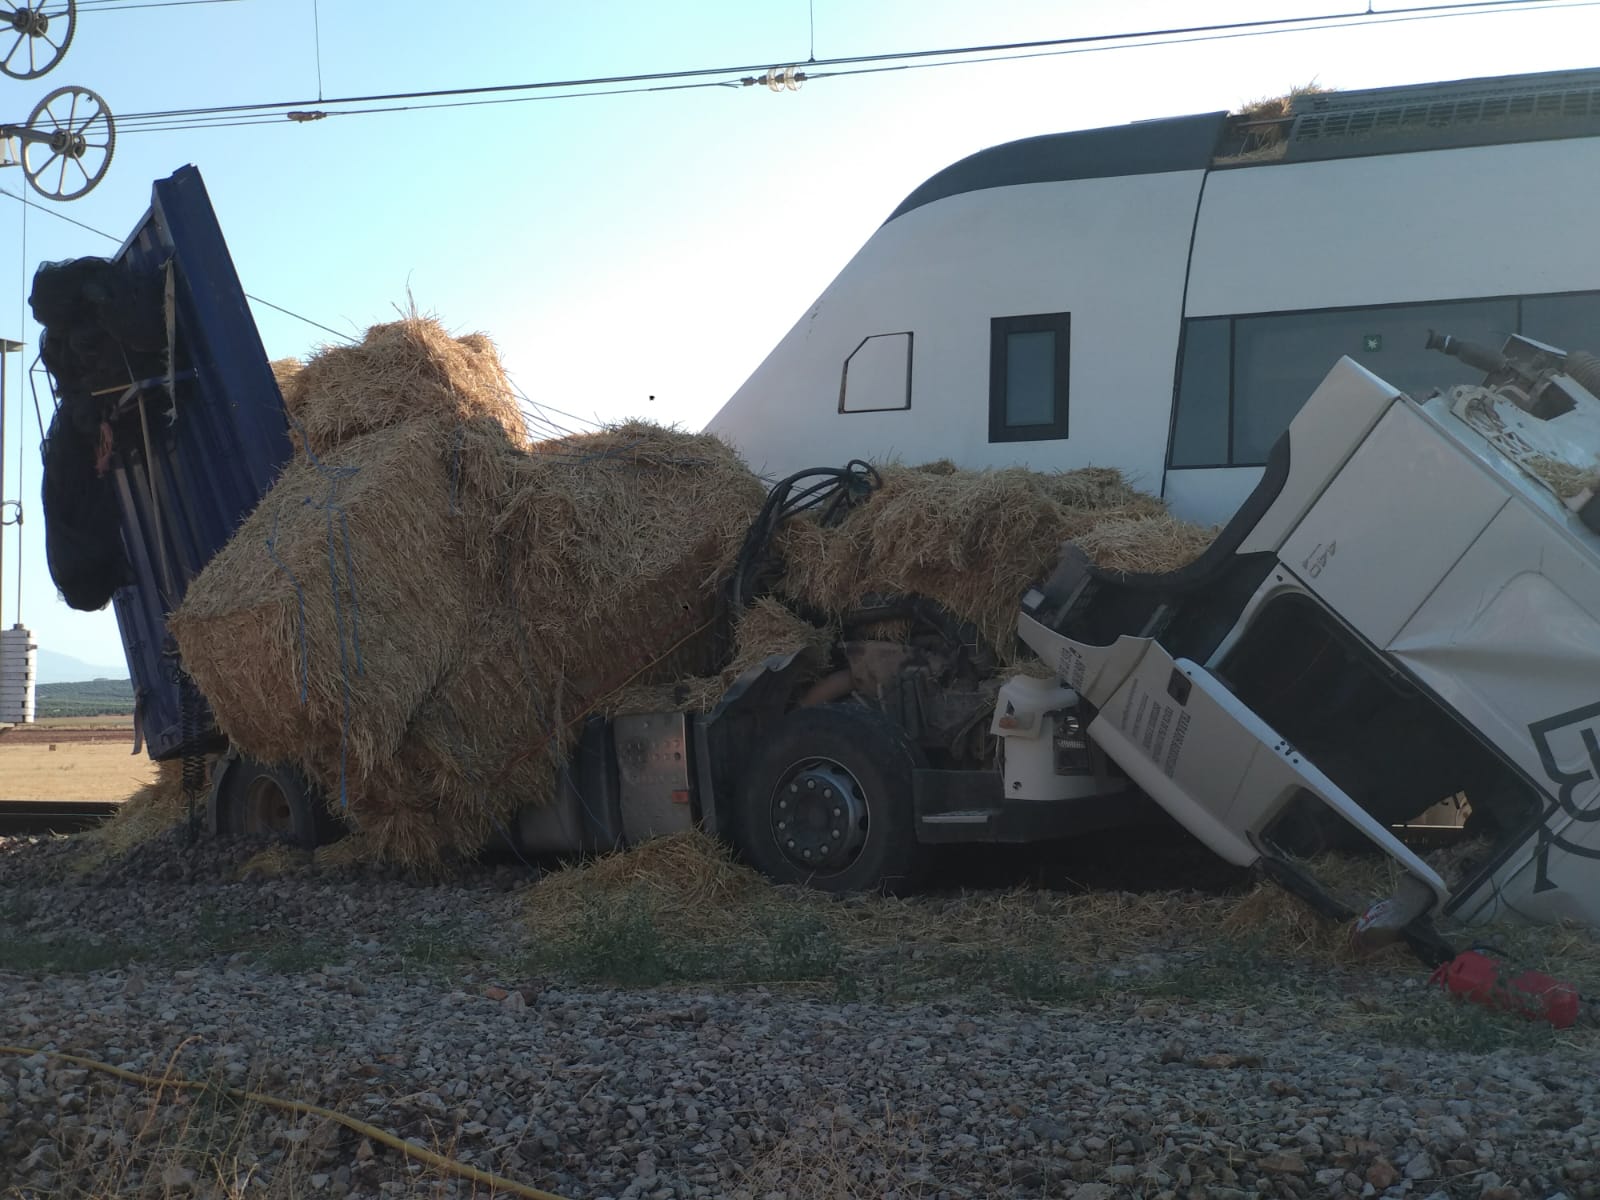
1431,1020
297,956
219,931
437,951
69,955
623,942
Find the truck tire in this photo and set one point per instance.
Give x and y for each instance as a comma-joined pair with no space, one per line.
255,799
827,802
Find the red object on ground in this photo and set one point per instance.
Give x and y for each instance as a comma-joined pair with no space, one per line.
1476,977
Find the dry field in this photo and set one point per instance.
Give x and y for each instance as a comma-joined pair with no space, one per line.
89,761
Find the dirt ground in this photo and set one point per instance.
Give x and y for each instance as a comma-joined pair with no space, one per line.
71,729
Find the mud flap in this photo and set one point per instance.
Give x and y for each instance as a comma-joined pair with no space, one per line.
1201,754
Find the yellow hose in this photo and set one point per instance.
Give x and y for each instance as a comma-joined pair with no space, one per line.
405,1148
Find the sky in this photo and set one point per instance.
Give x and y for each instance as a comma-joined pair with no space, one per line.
631,255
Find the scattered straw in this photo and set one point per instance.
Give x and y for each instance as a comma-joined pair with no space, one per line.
764,630
973,541
1268,140
690,888
151,811
1144,542
1564,479
686,881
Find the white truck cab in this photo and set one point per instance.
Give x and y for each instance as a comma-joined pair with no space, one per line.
1407,608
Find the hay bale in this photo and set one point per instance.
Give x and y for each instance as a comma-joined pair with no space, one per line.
337,607
399,372
284,370
421,615
973,541
608,548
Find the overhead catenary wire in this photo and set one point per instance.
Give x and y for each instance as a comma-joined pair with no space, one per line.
736,76
98,6
1383,19
535,410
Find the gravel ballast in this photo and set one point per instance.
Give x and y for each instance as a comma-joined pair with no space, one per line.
405,1006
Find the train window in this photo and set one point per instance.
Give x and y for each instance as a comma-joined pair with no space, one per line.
1242,379
877,375
1280,359
1569,322
1200,427
1029,367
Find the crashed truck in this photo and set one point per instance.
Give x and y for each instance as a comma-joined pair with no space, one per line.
1405,610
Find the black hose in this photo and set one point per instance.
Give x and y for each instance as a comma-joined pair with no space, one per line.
835,490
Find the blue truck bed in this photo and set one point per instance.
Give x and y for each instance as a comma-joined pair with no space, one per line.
183,451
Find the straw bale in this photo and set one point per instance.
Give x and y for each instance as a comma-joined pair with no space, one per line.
284,370
971,540
399,372
336,608
609,548
422,610
498,592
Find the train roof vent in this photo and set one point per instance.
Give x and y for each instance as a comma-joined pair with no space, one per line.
1435,116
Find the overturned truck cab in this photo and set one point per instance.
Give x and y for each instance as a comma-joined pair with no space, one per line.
1407,609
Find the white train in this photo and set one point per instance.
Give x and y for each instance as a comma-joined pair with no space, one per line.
1163,296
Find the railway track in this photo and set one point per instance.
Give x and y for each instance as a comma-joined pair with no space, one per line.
21,818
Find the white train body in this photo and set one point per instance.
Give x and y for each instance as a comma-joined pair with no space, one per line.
1150,298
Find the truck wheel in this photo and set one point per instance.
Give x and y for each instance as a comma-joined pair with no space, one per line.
253,799
827,802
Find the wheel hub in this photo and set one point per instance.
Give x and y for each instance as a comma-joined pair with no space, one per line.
819,816
267,809
32,21
73,145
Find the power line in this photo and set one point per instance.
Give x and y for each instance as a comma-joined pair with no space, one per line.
1336,23
291,313
98,6
316,31
228,121
1171,35
538,408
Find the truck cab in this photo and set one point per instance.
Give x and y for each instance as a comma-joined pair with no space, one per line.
1405,611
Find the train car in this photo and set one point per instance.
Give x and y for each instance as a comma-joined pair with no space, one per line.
1163,296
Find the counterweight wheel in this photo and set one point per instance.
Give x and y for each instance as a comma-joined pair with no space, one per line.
68,143
254,799
34,40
